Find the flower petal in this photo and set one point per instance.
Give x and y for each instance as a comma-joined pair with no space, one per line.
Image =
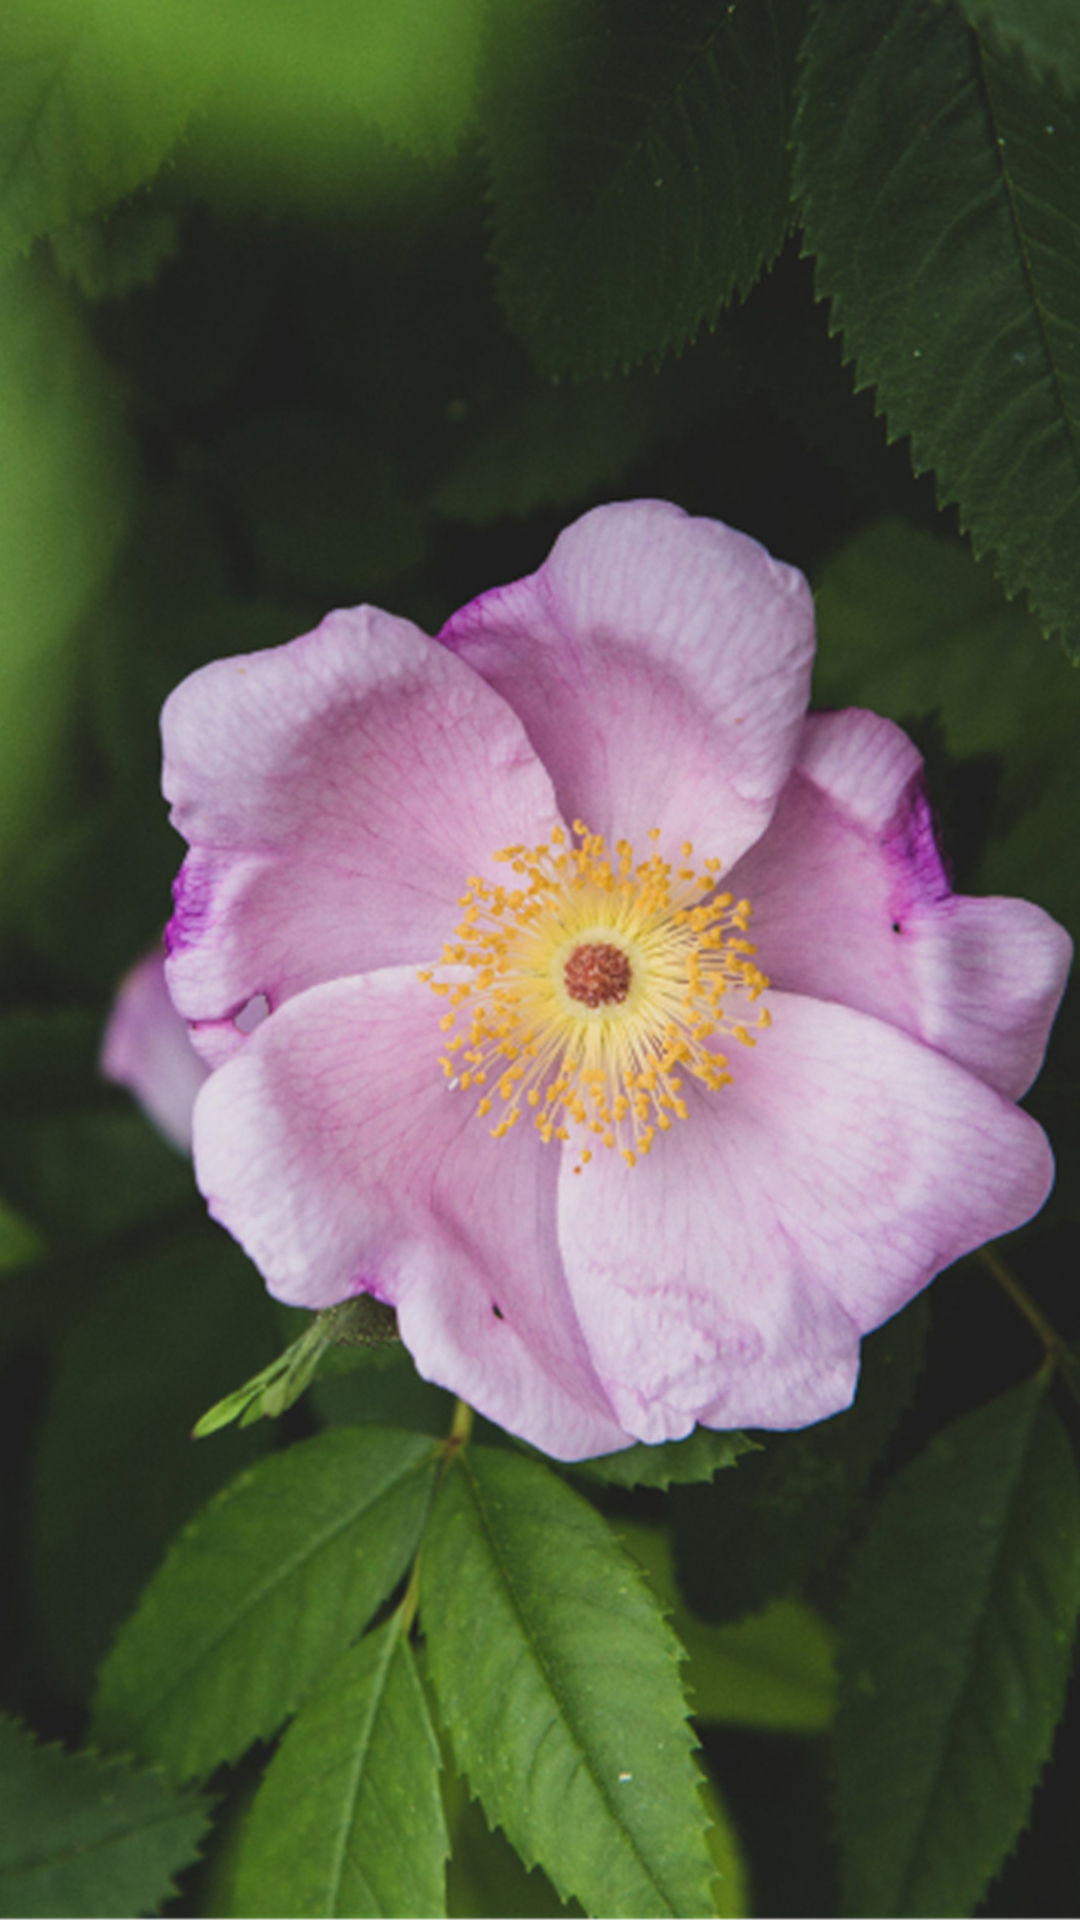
147,1049
852,903
729,1275
661,666
332,1148
336,793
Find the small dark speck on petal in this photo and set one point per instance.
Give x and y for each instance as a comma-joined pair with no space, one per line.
896,927
497,1311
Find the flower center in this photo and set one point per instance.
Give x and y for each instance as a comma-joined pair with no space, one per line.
598,975
589,990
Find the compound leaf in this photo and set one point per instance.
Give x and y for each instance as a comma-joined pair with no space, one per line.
261,1592
82,1835
941,194
349,1818
955,1659
557,1682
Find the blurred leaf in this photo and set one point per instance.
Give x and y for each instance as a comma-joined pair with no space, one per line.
115,1473
261,1593
1045,32
940,195
87,112
383,1389
955,1658
349,1819
86,1174
62,506
48,1061
80,1835
551,448
775,1669
639,168
106,258
755,1535
557,1683
323,511
729,1889
19,1244
675,1462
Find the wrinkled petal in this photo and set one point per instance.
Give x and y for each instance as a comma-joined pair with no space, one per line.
336,794
729,1275
852,903
661,667
147,1049
334,1151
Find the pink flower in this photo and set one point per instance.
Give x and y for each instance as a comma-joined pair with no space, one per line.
464,1052
147,1049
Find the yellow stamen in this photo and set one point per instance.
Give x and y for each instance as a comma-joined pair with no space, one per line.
594,985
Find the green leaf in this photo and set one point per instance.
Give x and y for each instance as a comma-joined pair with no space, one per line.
639,168
1045,32
941,195
115,1473
89,108
557,1682
955,1659
756,1534
82,1835
85,1175
260,1593
106,258
775,1669
673,1463
343,1334
349,1818
19,1244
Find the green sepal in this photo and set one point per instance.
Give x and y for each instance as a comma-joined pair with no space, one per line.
358,1324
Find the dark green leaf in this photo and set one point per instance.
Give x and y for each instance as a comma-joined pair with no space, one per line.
955,1659
84,1175
557,1682
941,195
1045,32
115,1472
775,1669
698,1457
80,1835
63,502
349,1819
260,1593
756,1534
640,169
485,1879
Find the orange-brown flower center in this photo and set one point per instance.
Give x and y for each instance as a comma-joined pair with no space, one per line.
598,975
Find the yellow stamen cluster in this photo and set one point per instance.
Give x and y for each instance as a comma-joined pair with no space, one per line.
592,986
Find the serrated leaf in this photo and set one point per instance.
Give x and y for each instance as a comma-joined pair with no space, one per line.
260,1593
775,1669
955,1658
106,258
82,1835
941,194
1045,32
674,1463
639,168
115,1473
349,1818
756,1534
557,1682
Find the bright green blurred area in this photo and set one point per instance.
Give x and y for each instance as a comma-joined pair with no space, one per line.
96,94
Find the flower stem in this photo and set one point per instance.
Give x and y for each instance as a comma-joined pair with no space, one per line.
1055,1346
460,1426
